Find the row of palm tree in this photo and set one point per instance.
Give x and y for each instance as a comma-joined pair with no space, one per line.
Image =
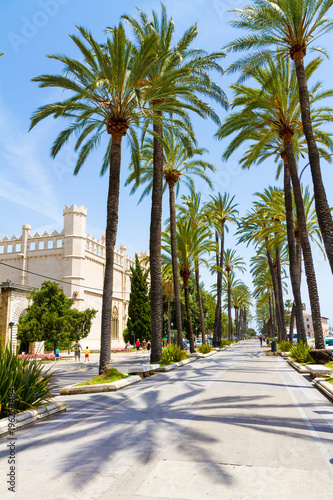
154,85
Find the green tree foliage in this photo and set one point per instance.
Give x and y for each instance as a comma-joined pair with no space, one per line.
51,318
139,305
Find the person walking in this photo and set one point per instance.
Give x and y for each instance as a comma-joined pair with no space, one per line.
261,339
77,350
148,345
128,347
137,343
86,354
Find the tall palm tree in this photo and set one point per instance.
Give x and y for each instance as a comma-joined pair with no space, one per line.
192,243
261,228
180,165
106,96
274,110
168,287
293,27
220,211
192,209
240,301
231,262
187,67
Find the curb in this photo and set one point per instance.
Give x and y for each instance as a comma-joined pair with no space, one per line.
324,386
29,416
114,386
174,366
300,368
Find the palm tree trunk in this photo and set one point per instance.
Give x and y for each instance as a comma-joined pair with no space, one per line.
322,208
169,319
229,311
271,321
219,330
110,241
188,315
173,237
283,332
219,294
276,291
202,320
307,254
293,262
291,325
156,295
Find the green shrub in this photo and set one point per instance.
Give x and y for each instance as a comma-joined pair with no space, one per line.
22,381
204,348
172,354
225,342
300,353
284,346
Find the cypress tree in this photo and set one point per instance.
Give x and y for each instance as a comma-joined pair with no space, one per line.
139,305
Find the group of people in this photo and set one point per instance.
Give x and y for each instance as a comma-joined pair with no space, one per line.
77,352
144,344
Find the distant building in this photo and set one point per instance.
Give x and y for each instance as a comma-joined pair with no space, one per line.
307,318
75,259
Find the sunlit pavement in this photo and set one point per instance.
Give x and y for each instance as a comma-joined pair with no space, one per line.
237,425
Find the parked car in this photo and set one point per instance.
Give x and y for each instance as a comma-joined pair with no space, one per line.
329,343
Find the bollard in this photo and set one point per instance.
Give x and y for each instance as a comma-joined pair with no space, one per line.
273,346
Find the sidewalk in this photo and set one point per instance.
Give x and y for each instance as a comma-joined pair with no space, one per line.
238,425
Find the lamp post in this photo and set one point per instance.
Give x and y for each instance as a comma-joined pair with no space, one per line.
11,324
133,334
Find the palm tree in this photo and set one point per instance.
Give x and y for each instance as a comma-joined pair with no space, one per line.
191,208
169,290
180,164
292,27
182,72
261,227
274,110
105,98
192,243
231,262
220,211
240,301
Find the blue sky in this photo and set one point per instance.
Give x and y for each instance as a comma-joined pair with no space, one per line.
34,188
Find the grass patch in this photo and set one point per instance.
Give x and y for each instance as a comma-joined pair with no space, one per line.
204,348
110,376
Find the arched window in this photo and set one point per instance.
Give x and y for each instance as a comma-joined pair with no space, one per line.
115,324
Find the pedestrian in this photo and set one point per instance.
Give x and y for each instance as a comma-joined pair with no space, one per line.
128,347
261,339
144,344
148,345
86,354
137,343
57,354
77,350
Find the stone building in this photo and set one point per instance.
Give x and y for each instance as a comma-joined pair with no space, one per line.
72,258
307,318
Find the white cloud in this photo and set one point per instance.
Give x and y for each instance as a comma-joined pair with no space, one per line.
24,179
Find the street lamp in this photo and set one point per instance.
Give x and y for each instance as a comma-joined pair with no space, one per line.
133,334
11,324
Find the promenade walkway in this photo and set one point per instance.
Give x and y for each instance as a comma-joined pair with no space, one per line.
238,425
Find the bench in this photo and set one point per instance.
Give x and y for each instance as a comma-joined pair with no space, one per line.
143,370
318,370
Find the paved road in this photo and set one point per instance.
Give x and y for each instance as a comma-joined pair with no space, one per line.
238,425
70,372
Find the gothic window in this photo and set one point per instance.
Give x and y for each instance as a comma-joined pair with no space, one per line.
115,324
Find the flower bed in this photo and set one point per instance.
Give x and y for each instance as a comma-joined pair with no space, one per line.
44,357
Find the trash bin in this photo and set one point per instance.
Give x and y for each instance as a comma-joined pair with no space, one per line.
267,341
273,346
